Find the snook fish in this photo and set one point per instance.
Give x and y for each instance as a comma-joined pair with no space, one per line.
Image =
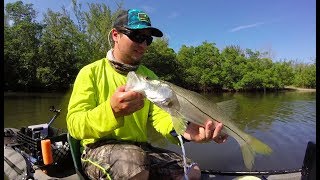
184,105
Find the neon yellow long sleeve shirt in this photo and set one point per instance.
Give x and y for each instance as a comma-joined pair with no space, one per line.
91,118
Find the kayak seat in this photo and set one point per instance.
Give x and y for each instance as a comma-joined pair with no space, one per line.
76,156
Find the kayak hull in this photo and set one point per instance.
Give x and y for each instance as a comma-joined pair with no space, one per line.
16,166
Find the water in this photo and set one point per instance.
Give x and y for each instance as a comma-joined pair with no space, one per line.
23,109
286,121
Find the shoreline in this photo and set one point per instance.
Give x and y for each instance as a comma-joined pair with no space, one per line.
287,88
300,89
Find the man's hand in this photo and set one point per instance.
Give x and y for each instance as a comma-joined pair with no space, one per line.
210,131
125,103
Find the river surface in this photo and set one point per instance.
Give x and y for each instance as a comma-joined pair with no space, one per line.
286,121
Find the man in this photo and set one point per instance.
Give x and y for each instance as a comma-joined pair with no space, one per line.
114,125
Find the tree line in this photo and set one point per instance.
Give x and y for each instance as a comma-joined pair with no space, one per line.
47,55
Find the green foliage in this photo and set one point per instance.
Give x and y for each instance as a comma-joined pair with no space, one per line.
59,60
19,12
48,55
21,43
162,60
283,73
202,66
98,24
305,75
233,67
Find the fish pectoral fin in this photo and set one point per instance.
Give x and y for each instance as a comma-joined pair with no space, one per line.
178,122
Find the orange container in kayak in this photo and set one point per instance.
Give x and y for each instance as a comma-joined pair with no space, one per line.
46,151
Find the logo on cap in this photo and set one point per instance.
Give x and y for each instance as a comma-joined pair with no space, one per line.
144,17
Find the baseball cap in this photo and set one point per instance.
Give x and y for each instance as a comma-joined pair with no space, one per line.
135,19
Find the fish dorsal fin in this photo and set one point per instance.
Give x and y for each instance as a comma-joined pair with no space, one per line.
229,107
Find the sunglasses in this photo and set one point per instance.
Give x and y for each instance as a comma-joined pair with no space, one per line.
136,37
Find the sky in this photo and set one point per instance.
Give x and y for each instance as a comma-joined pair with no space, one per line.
284,28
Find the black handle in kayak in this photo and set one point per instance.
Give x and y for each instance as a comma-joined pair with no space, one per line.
57,111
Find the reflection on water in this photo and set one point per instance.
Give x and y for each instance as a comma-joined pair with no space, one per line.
23,109
286,121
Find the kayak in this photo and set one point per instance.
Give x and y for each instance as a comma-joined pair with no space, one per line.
20,163
286,174
44,152
307,170
38,152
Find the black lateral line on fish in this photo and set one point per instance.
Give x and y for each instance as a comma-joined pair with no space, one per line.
210,116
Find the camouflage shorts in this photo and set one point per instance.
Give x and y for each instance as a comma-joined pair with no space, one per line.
112,159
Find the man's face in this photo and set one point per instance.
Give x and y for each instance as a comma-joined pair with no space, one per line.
131,45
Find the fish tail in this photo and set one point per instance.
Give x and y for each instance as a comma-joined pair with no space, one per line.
250,147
